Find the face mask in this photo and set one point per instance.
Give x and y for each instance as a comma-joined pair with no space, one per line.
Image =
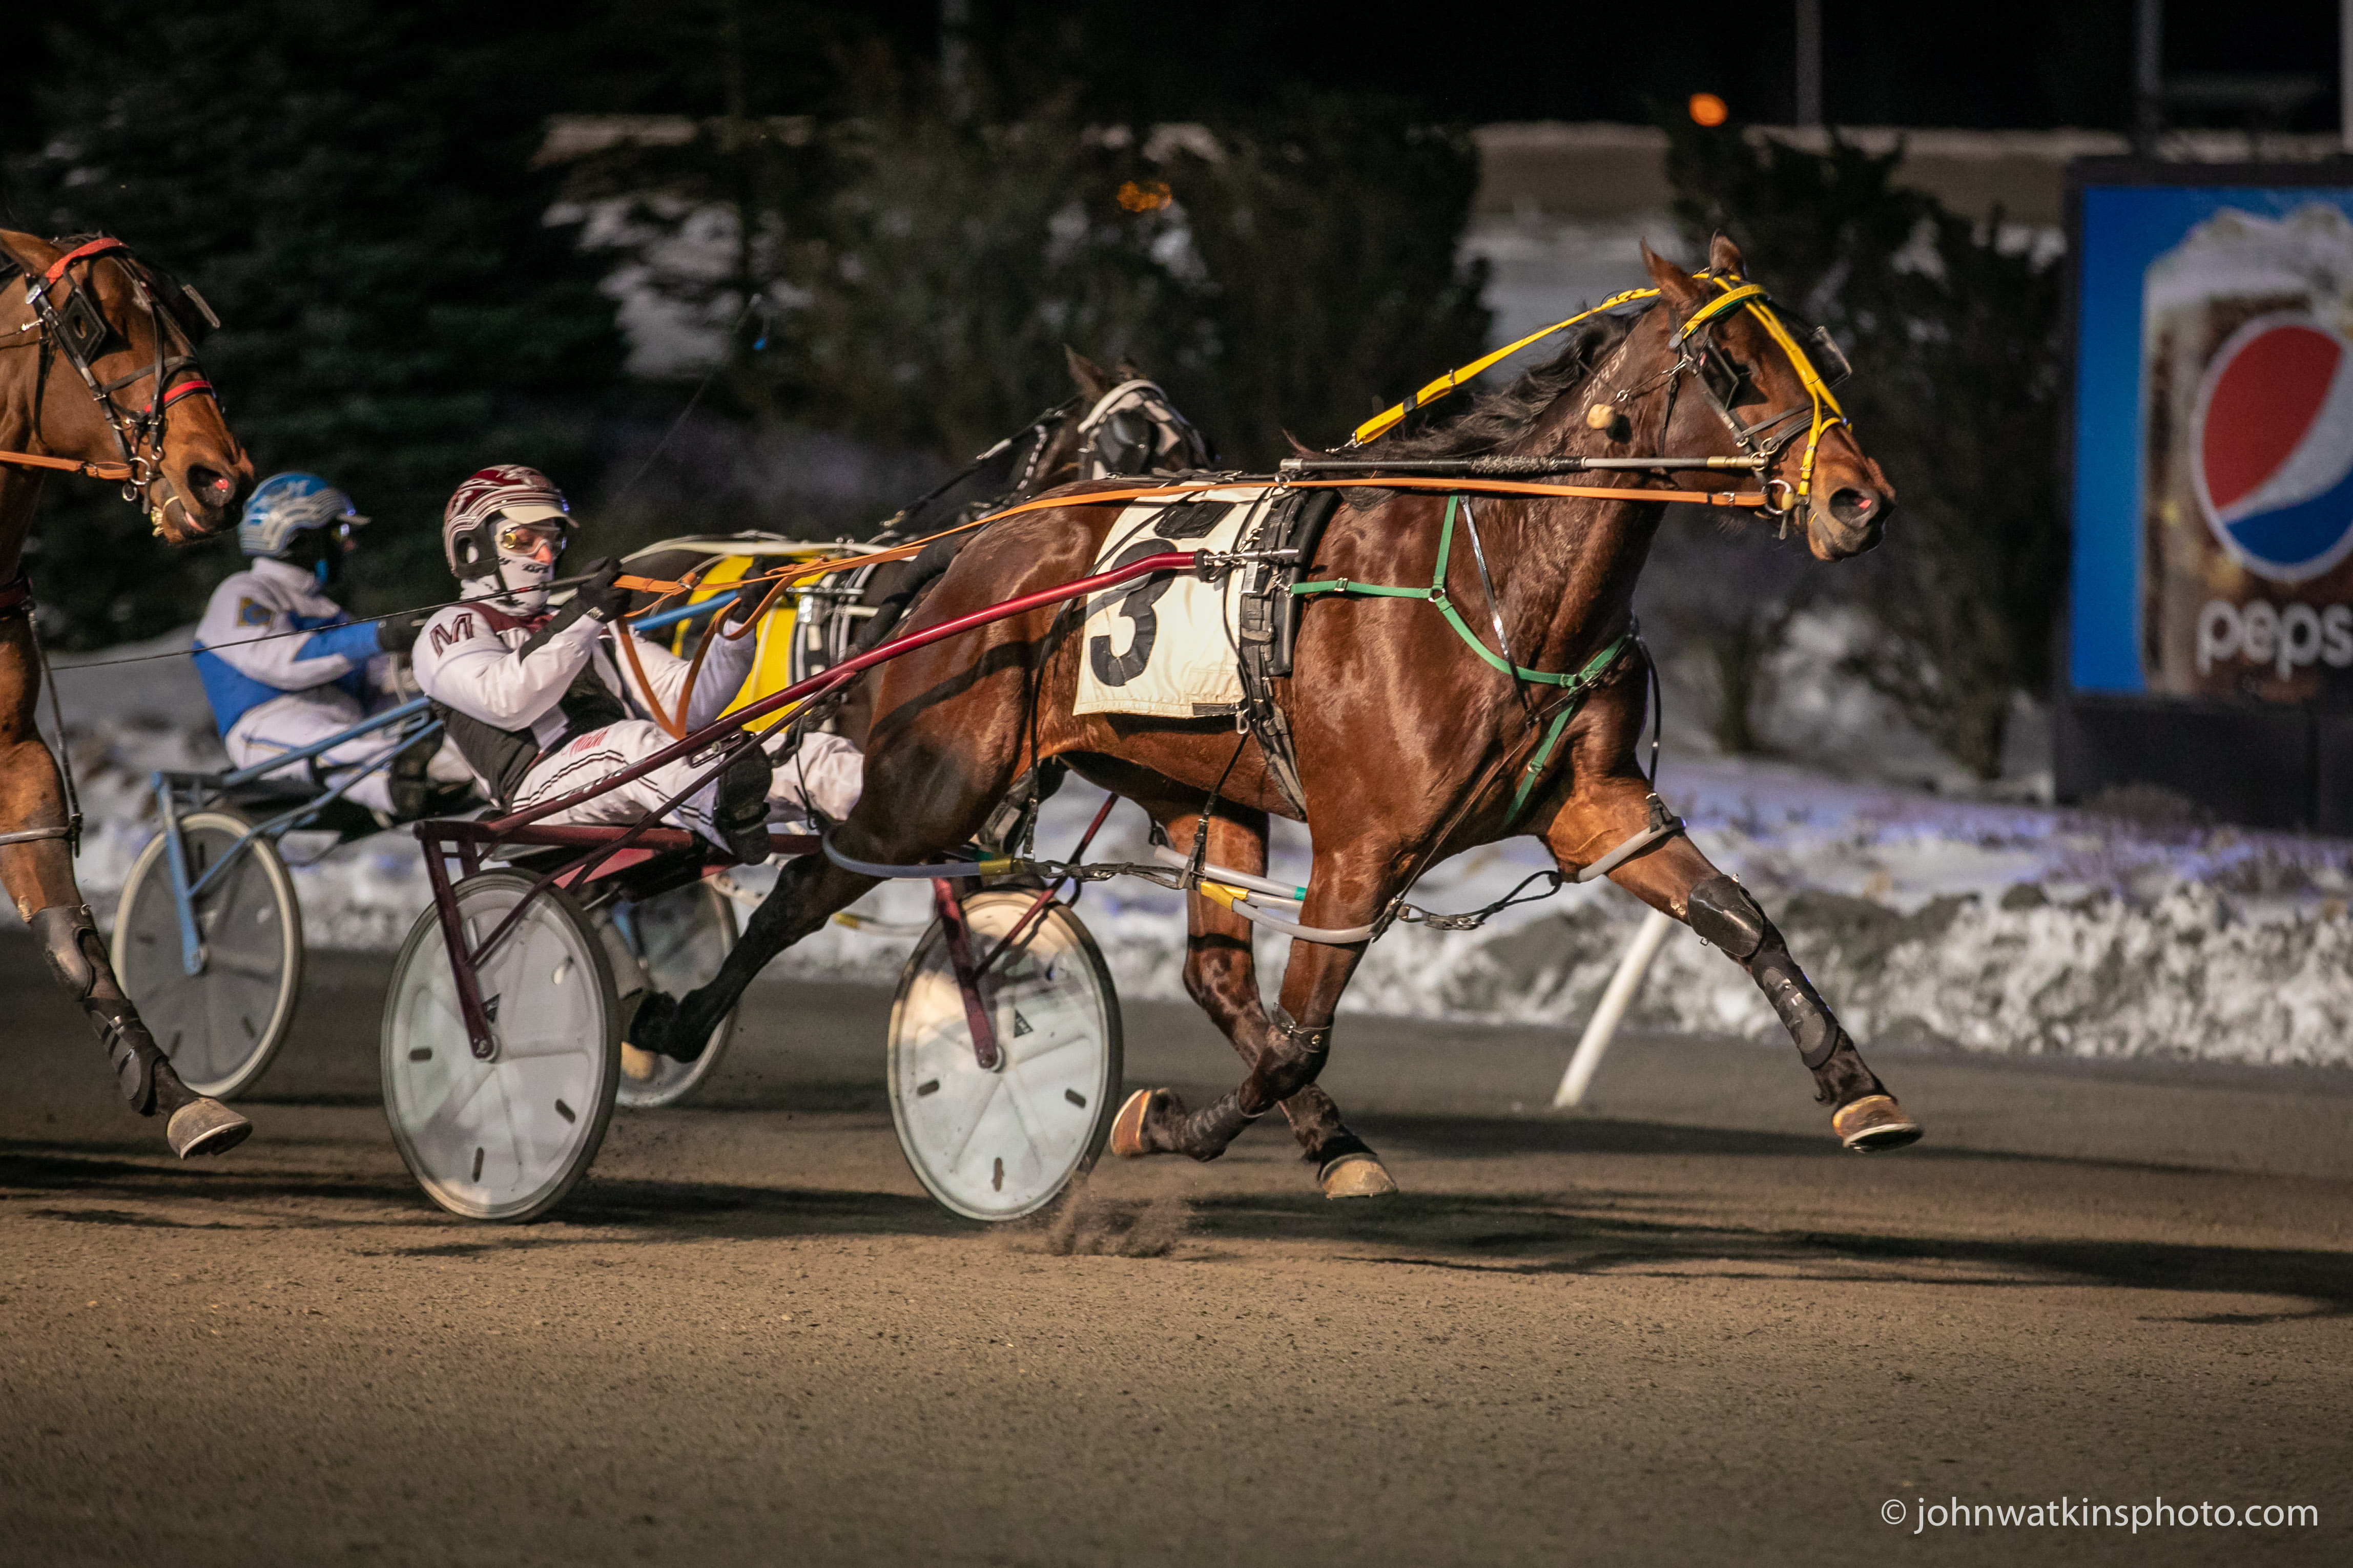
527,557
320,551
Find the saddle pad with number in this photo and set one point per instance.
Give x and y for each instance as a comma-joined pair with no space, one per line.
1165,645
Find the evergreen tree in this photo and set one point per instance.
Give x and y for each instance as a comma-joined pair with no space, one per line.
1329,231
350,183
1292,268
1954,333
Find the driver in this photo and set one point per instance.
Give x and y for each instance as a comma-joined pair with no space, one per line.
274,691
542,704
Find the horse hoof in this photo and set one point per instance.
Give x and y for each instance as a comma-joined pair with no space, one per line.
1874,1122
1357,1176
206,1127
636,1066
1127,1127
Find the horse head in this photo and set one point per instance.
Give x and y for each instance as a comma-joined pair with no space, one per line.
115,379
1764,382
1125,425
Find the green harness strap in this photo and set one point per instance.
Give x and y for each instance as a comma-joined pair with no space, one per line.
1575,685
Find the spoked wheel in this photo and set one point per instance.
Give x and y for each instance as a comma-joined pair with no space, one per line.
679,939
222,1024
507,1138
999,1144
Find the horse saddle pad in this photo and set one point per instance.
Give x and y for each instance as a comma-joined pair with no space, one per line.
1166,645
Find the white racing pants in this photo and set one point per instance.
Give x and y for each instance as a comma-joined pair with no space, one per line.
827,772
302,719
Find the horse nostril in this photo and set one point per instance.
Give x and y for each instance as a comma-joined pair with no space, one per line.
1853,506
210,487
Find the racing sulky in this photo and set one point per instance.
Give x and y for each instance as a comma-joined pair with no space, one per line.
99,377
1405,748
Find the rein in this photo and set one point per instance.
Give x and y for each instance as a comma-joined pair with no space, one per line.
1755,441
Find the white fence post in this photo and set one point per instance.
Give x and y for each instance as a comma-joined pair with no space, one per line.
1615,1000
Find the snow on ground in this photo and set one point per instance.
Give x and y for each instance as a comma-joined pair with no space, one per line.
1970,924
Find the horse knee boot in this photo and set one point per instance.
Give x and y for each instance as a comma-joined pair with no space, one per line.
78,958
1298,1061
1723,912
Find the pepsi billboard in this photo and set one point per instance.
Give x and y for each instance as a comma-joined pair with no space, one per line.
2213,440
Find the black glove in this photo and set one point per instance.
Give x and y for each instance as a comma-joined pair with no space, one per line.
748,602
398,634
599,597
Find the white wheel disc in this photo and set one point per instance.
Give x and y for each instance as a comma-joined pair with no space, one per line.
679,939
1000,1143
222,1024
503,1139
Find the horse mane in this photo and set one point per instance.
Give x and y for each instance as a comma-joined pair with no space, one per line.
1496,418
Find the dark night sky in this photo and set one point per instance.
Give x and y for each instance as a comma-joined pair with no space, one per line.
1995,63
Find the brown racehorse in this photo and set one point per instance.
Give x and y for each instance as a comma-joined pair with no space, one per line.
105,373
1408,744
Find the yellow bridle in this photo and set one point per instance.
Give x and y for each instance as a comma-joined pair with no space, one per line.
1736,295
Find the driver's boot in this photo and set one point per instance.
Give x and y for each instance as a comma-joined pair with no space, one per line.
740,813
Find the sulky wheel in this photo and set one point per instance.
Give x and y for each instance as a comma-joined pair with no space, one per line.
995,1144
677,939
506,1137
223,1024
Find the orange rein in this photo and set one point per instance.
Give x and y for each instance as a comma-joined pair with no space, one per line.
117,471
779,580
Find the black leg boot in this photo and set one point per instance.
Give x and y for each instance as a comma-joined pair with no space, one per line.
193,1124
1863,1115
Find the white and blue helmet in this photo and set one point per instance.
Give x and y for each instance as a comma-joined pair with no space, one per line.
284,505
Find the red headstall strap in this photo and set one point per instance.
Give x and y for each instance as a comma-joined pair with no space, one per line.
188,389
98,246
17,594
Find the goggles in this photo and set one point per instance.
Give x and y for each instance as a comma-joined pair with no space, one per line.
526,538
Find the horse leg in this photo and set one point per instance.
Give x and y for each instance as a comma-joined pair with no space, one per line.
1342,893
1673,876
1221,976
38,877
918,801
808,892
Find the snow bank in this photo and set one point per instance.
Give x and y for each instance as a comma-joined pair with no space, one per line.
1989,927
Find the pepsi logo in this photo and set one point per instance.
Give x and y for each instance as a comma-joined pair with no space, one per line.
2271,444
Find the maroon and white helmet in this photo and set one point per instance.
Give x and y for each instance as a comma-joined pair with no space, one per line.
502,493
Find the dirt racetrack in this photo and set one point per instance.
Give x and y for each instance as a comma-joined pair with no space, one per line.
1684,1328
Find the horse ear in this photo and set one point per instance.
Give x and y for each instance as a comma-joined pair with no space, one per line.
1130,370
1092,378
1673,282
1723,257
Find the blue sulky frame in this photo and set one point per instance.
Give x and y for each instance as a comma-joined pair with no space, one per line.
168,786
